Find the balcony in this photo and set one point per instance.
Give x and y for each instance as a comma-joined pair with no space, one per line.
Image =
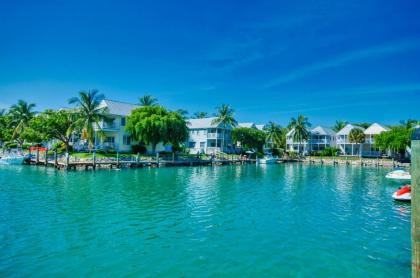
108,126
214,135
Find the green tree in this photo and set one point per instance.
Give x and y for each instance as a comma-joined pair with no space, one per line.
147,124
301,132
409,124
58,125
395,140
90,114
356,136
20,114
339,125
6,131
148,100
275,135
176,130
200,115
226,117
249,138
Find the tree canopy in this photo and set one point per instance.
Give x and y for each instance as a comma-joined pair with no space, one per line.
396,140
249,138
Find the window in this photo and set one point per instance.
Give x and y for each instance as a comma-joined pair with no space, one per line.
110,139
191,145
202,145
127,140
123,121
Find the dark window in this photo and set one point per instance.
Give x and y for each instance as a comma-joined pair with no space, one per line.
123,121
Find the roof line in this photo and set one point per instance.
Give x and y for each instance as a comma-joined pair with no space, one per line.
121,101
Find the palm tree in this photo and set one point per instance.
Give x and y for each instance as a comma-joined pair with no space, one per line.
409,124
300,126
224,116
356,136
90,114
2,112
274,134
20,114
183,113
339,125
200,115
364,125
148,100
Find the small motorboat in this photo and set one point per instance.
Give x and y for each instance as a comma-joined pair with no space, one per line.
13,159
403,194
268,159
398,175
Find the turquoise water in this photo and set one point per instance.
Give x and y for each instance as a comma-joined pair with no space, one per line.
254,221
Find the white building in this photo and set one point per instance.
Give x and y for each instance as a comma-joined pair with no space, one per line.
344,144
116,137
207,137
320,138
369,149
247,125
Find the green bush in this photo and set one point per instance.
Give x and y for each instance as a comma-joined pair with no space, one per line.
11,145
139,148
330,151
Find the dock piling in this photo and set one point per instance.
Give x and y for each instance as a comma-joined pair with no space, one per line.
415,203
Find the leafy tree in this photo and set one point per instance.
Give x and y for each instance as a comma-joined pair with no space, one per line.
147,124
339,125
6,131
396,140
356,136
300,126
58,125
90,114
275,135
225,117
200,115
20,114
249,138
148,100
176,130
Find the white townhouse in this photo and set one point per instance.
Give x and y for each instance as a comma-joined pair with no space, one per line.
320,138
206,137
344,144
116,137
369,149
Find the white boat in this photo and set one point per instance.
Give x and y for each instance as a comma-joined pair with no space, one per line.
403,194
12,159
268,160
398,175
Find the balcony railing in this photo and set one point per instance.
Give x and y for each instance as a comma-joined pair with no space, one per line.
215,136
105,125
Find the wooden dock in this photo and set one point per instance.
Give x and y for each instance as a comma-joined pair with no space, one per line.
112,163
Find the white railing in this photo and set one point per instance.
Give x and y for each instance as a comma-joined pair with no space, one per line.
214,135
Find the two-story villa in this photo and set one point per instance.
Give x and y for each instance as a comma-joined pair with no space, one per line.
320,138
343,143
369,149
206,137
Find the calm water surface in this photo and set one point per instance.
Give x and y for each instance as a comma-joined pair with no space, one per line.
279,220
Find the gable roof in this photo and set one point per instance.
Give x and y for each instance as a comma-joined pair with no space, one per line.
260,127
118,108
247,125
346,130
201,123
375,129
322,130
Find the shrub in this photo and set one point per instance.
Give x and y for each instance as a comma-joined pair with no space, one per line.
139,148
330,151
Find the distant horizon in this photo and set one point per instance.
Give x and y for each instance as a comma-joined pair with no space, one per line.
269,60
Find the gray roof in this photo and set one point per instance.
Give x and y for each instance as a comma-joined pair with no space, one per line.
322,130
346,130
201,123
248,125
375,129
118,108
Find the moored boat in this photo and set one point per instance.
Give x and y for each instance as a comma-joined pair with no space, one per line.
398,175
267,160
403,194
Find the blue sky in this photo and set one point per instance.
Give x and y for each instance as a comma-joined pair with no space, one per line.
271,60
